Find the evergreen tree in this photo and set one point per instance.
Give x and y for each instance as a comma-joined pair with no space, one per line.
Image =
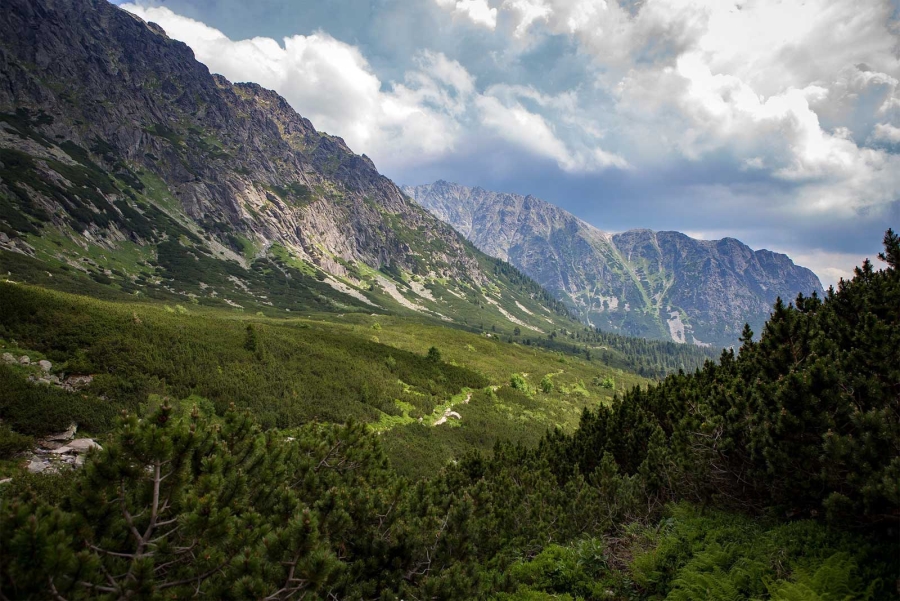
434,355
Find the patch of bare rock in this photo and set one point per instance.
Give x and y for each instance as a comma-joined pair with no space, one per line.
60,451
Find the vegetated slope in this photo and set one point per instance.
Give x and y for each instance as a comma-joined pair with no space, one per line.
123,159
363,368
797,429
661,285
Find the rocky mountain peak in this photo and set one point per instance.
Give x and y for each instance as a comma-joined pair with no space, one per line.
123,158
654,284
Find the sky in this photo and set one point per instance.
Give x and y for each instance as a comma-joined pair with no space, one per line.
776,122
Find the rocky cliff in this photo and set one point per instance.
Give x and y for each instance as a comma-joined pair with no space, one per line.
654,284
123,159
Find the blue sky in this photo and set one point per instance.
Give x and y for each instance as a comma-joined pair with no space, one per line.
776,122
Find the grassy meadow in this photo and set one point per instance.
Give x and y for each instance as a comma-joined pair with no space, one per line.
325,367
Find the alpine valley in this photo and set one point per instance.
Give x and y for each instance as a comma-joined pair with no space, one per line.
661,285
237,362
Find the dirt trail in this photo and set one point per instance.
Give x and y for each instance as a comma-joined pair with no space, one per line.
449,412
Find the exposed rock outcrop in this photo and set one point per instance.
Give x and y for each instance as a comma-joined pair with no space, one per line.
112,134
653,284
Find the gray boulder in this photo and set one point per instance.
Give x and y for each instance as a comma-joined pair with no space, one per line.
81,446
38,465
67,434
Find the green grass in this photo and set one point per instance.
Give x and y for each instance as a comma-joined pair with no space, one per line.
317,368
169,256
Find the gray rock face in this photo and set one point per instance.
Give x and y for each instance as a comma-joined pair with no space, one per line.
38,465
653,284
59,452
85,86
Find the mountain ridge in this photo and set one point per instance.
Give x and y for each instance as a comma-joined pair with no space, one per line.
125,160
655,284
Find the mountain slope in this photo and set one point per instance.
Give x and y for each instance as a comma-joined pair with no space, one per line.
654,284
124,160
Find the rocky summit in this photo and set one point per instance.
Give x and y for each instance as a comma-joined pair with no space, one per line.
123,160
662,285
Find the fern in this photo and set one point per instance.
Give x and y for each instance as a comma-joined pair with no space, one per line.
836,579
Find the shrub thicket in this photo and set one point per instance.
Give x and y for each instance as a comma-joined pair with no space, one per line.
800,425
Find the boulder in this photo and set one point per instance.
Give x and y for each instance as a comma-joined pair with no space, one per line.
68,434
8,358
24,360
83,445
50,445
46,366
73,383
37,465
77,447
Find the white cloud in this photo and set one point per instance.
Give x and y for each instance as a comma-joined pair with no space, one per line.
478,11
332,84
527,12
531,131
784,89
830,266
503,111
887,132
427,115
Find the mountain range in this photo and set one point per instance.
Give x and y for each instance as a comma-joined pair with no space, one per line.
662,285
125,162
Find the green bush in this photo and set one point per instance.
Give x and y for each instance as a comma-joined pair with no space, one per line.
546,384
723,556
575,570
518,382
434,355
40,409
13,443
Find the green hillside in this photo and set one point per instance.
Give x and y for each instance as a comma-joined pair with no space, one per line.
291,371
771,475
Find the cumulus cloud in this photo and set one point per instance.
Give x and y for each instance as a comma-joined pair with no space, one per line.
785,89
785,110
887,132
333,85
831,267
532,132
422,117
502,111
478,11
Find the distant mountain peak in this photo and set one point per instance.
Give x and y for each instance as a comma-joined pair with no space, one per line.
640,282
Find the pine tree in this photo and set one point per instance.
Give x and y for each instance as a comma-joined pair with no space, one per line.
434,355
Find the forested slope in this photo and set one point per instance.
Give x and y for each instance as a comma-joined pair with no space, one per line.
790,450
